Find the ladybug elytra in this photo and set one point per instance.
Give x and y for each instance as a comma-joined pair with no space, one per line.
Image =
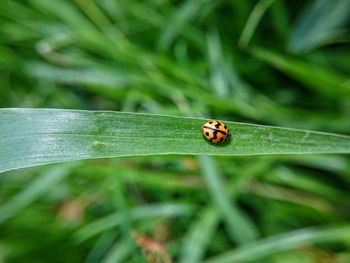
216,131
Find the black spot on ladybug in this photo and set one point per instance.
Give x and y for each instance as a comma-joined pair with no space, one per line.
215,133
218,125
225,127
207,133
210,122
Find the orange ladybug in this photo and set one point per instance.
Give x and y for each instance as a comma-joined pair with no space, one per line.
216,131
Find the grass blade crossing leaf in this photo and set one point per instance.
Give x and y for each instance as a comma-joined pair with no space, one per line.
31,137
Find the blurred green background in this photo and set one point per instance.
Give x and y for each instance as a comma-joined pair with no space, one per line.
281,63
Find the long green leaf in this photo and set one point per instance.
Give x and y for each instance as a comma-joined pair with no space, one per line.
31,137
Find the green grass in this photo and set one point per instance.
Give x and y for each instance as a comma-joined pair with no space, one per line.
102,104
39,136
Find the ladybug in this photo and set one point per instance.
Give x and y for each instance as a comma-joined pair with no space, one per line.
216,131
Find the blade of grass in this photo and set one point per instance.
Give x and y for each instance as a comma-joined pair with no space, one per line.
323,80
31,137
47,179
140,213
280,18
119,196
145,178
119,252
291,196
67,12
273,245
188,11
300,180
92,10
240,228
108,80
216,61
101,247
199,236
83,76
320,23
253,21
330,163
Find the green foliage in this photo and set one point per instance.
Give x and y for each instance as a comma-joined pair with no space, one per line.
42,136
275,71
319,24
284,242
